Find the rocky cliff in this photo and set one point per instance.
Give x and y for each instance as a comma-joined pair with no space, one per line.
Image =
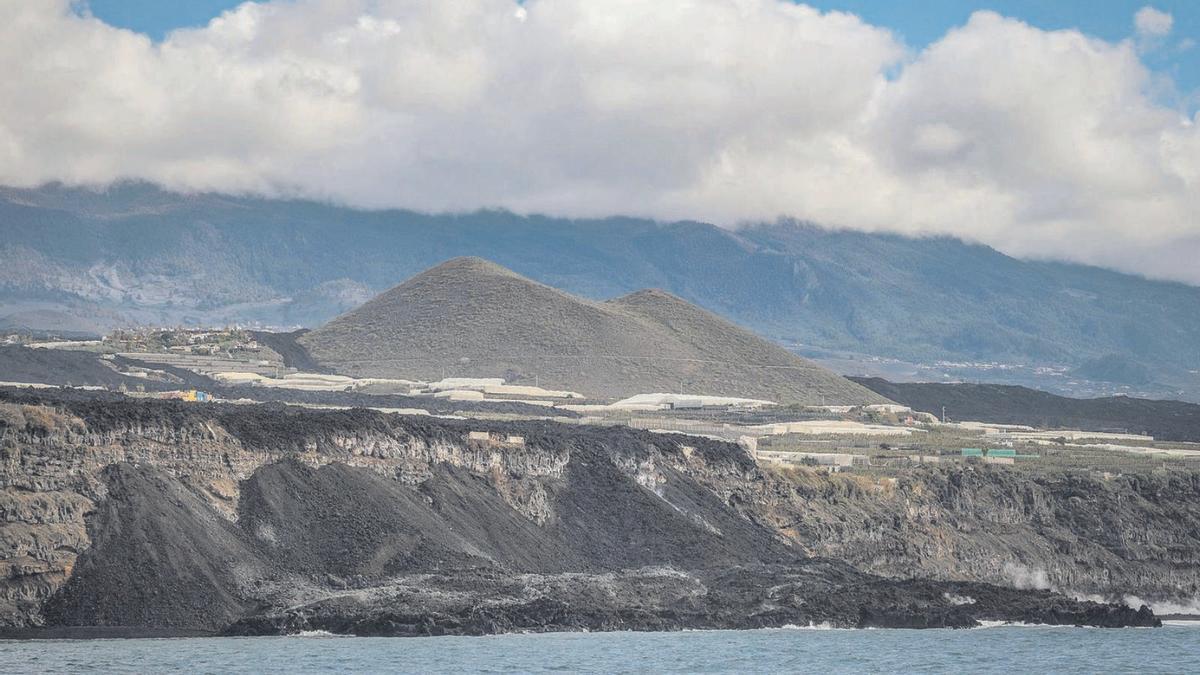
1084,534
152,515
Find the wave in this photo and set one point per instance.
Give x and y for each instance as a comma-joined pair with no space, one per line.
1019,624
1191,606
319,634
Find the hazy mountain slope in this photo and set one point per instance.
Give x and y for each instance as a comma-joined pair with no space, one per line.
471,318
135,252
973,302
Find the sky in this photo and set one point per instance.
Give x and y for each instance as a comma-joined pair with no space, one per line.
1061,130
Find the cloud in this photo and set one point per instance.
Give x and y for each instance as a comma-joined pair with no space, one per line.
1150,22
1040,143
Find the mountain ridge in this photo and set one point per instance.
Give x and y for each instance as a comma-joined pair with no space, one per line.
136,254
468,317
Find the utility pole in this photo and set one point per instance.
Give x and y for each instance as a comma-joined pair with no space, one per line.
943,414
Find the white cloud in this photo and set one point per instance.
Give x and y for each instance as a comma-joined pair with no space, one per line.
1151,22
1040,143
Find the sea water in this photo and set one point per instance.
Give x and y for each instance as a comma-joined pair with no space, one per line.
1175,648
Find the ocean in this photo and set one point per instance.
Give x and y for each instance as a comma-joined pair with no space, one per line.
1175,648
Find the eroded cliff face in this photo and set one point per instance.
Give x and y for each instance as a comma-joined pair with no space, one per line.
150,513
53,474
1081,534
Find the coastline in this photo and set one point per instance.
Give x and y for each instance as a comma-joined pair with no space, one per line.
71,633
100,633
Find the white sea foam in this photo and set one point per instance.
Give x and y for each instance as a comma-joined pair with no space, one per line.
1024,577
1184,606
958,599
1019,624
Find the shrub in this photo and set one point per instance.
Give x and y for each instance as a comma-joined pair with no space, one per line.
47,420
11,416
